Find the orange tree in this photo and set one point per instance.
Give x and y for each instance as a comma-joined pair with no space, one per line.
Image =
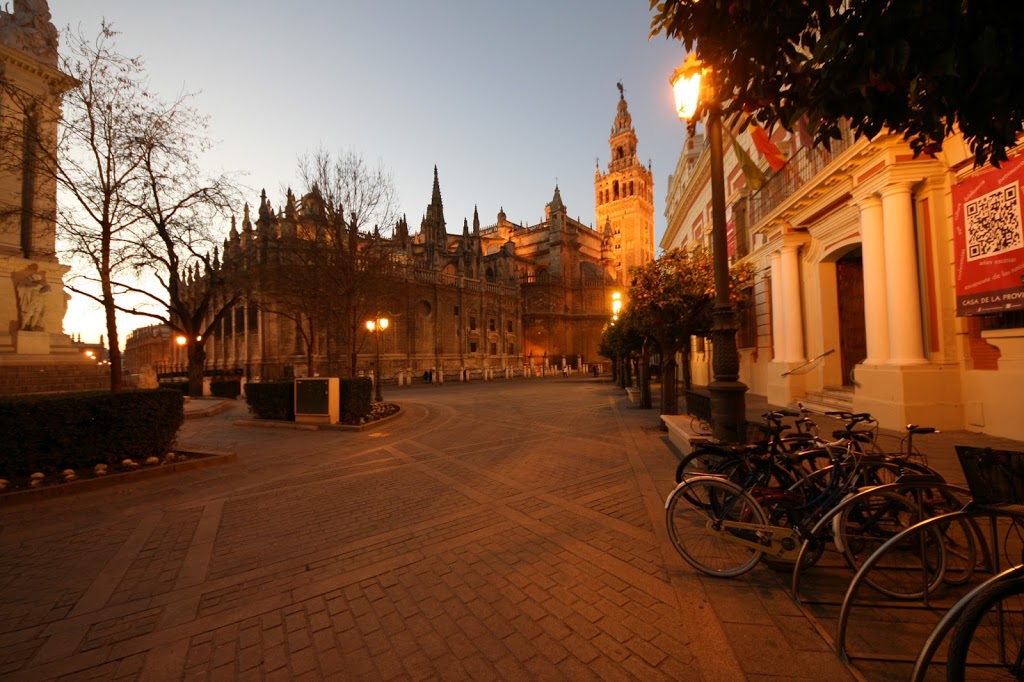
673,298
921,68
620,341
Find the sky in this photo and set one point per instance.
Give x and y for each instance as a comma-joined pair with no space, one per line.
507,99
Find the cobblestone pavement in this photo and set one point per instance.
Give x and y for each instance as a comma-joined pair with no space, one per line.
507,530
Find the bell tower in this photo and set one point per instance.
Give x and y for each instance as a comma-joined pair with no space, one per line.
624,197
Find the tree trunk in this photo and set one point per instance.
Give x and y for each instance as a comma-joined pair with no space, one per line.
687,370
116,370
196,363
669,386
645,378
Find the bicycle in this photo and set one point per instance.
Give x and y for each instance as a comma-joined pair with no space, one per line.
724,529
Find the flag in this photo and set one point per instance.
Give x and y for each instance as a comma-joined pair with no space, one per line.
776,159
755,177
803,132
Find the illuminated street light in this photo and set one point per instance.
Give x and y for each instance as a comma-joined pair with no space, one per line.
728,406
180,340
378,325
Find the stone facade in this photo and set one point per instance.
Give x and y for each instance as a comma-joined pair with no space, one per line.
624,197
856,302
496,300
32,297
491,301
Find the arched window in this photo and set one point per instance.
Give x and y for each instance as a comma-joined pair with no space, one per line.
630,188
615,189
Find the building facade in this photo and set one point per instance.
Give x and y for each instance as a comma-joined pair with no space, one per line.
493,300
32,297
864,295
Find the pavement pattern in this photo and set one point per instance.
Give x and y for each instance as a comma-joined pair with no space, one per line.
498,530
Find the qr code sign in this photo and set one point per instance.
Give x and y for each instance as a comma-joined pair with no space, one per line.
993,223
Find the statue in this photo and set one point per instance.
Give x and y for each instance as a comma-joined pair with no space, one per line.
32,302
30,30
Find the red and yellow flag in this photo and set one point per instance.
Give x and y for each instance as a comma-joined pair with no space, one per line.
775,158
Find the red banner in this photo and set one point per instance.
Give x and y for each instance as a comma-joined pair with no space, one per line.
988,240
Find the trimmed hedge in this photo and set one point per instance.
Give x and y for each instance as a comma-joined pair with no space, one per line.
271,399
226,388
179,386
356,396
51,433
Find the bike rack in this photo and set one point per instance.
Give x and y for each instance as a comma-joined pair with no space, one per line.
989,560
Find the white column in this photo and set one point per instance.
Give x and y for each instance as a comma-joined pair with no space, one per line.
778,348
906,343
794,318
876,316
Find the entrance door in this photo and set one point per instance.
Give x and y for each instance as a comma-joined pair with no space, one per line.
853,346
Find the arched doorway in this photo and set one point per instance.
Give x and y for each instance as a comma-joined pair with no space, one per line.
853,347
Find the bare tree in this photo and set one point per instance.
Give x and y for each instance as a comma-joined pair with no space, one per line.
96,166
173,240
338,271
136,205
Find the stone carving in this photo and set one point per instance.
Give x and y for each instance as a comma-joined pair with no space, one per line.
30,30
32,302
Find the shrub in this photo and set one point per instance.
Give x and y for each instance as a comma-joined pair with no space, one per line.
179,386
271,399
73,430
226,388
356,396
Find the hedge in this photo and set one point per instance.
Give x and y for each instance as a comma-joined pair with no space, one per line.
356,396
50,433
271,399
226,388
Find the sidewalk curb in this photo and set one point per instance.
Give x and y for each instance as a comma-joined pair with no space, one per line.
86,485
296,426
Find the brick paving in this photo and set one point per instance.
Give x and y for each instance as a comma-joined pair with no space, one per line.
507,530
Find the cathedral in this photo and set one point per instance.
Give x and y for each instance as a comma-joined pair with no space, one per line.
498,299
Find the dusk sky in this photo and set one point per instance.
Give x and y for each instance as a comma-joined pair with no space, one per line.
506,98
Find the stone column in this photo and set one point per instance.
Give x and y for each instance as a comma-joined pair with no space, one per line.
778,309
793,310
876,316
906,342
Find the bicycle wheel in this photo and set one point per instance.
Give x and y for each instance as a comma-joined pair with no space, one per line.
696,533
699,462
988,638
908,571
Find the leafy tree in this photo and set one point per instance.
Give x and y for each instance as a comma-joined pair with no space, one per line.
620,341
922,68
673,297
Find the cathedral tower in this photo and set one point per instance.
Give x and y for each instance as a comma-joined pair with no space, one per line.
624,197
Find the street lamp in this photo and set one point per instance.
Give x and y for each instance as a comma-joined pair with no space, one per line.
378,325
728,407
616,304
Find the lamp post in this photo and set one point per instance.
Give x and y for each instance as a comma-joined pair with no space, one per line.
375,327
728,407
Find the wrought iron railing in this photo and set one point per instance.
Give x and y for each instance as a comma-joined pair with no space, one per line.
807,163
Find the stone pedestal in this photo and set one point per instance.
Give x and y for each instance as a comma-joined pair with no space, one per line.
31,343
784,390
897,395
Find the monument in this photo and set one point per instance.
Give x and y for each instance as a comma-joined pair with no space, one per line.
32,296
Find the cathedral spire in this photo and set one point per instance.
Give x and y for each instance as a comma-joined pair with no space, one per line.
476,222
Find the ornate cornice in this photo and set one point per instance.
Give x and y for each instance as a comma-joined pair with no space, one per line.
57,80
